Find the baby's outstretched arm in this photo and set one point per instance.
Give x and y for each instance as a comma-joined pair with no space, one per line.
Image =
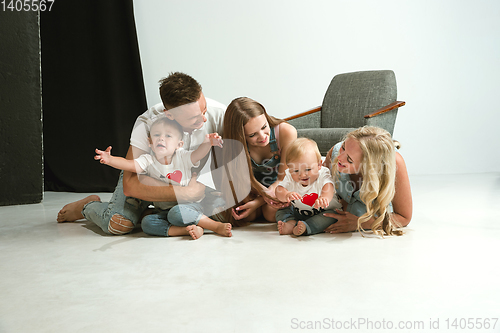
283,195
326,196
212,139
105,157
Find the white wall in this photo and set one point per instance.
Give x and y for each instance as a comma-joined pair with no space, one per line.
445,55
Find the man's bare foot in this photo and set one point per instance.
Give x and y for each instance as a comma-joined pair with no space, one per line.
73,211
286,228
299,229
224,229
194,231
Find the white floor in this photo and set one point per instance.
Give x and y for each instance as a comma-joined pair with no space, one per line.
72,278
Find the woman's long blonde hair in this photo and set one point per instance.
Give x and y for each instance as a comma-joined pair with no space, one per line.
238,113
378,171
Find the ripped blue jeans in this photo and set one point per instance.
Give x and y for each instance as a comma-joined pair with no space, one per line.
101,212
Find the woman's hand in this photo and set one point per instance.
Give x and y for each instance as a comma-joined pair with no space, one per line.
273,203
346,222
246,209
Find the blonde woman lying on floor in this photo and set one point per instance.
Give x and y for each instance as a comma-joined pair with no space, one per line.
372,182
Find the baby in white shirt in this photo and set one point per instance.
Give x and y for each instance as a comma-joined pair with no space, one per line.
170,163
309,187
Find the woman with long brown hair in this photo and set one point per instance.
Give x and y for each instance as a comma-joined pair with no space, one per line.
254,155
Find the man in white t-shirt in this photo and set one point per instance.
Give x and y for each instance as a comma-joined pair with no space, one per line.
184,102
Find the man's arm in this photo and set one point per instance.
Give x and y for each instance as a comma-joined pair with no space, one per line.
150,189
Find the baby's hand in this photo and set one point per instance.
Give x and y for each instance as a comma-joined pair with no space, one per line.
214,139
103,156
293,196
321,202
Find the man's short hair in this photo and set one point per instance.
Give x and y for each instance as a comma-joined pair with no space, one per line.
179,89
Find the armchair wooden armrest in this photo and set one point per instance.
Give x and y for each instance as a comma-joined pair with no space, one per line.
386,108
305,113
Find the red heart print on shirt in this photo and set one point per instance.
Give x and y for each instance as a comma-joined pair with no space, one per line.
309,199
176,176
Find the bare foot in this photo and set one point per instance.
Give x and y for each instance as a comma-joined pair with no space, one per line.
299,229
73,211
194,231
224,229
285,228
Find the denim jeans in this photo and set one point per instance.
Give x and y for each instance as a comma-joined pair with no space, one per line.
314,224
158,223
101,212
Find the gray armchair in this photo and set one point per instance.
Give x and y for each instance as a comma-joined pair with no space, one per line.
351,101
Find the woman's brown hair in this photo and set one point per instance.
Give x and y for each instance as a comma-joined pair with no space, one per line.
237,183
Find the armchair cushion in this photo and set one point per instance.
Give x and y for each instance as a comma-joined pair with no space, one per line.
324,137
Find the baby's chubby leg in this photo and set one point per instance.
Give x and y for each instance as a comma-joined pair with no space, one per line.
286,220
192,214
286,228
223,229
195,231
299,229
191,230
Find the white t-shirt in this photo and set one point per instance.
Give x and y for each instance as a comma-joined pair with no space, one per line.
177,173
215,117
310,193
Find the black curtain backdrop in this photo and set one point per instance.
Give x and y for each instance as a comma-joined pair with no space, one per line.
92,90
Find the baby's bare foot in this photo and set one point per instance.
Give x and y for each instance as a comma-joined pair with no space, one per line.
194,231
285,228
224,229
299,229
73,211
